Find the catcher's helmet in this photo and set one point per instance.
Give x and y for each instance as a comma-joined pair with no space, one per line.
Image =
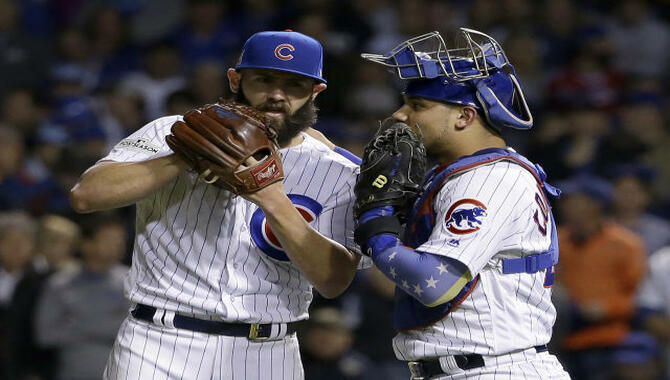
284,51
478,75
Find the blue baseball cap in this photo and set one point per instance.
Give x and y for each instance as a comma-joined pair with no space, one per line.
288,51
441,89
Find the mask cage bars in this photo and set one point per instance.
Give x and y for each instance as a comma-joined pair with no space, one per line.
479,55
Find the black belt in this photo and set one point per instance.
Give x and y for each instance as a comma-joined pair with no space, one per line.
425,369
253,331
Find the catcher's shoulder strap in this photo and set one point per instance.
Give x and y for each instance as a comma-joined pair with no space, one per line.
422,218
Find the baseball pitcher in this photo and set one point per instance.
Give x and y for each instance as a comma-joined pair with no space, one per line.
239,213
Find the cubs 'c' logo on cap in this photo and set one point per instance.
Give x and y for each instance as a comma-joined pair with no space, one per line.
464,216
282,52
262,234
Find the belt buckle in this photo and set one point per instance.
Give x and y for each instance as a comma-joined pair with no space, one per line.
254,329
416,370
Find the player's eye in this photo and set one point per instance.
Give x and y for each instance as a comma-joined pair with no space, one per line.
262,79
416,106
297,84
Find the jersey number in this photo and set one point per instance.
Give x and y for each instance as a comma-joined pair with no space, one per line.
541,216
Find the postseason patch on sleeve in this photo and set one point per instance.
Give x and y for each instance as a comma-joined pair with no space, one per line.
138,144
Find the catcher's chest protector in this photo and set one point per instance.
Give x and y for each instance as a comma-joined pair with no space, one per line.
410,313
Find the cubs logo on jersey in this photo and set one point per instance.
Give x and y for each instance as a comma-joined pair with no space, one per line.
262,234
465,216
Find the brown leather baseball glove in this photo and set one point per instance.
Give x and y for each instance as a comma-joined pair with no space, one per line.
229,145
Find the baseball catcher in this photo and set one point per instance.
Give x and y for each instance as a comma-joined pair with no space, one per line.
229,145
474,267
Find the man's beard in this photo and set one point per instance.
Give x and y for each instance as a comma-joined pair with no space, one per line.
291,125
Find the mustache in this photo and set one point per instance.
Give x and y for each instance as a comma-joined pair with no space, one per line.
274,107
303,118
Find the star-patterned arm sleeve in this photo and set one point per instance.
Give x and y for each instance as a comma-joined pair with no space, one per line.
431,279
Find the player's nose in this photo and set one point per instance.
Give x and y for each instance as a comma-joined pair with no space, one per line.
401,114
277,93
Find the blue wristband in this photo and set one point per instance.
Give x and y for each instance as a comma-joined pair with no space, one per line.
375,213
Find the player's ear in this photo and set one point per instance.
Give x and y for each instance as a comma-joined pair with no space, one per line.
466,116
234,78
318,88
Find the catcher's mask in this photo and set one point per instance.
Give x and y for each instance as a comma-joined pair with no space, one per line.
477,74
288,51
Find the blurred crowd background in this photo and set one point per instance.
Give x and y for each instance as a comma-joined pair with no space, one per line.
76,76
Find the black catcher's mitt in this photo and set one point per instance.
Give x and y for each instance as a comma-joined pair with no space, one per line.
393,168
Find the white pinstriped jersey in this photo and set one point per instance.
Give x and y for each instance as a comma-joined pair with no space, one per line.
504,312
202,251
654,294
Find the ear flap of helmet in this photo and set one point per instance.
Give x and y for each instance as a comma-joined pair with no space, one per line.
515,114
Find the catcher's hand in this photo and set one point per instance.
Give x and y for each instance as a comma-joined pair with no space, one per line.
393,168
219,141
